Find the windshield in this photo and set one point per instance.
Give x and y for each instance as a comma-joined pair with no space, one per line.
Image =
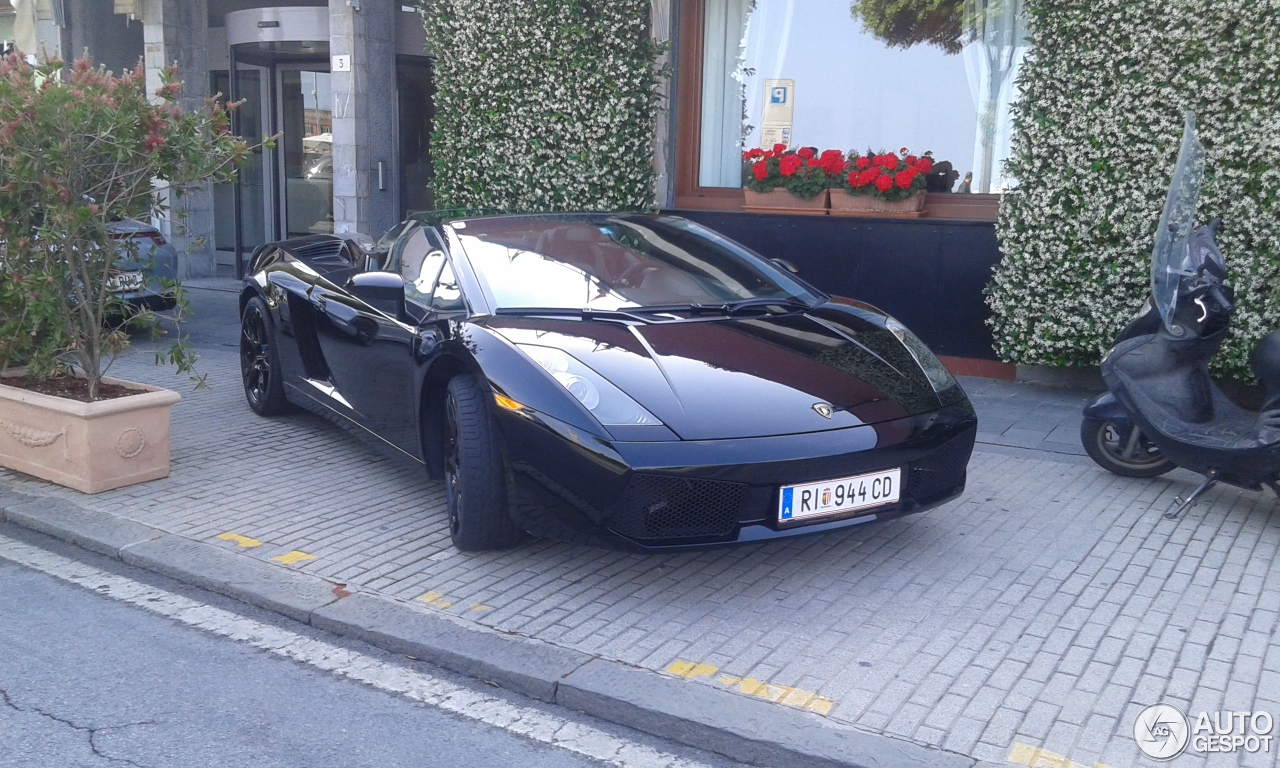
615,262
1172,258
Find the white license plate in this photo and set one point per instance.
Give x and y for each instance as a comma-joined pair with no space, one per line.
835,497
126,281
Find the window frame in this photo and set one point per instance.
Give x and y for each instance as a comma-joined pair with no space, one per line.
688,113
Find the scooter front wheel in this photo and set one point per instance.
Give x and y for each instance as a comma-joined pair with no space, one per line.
1124,452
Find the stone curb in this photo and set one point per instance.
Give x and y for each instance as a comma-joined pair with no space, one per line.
524,665
246,579
691,713
742,728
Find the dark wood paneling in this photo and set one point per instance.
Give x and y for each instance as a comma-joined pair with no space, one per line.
929,274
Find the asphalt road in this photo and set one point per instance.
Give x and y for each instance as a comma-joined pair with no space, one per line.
89,680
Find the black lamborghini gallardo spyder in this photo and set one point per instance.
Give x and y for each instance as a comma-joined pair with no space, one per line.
621,380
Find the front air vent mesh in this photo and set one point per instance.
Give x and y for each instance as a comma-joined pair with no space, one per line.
941,470
657,507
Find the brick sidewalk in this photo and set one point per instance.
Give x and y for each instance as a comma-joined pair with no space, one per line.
1045,608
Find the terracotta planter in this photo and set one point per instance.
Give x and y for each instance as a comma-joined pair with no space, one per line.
845,204
90,447
782,201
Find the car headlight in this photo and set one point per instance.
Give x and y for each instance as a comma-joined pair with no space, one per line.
939,377
610,405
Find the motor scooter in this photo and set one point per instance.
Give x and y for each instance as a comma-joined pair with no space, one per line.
1162,409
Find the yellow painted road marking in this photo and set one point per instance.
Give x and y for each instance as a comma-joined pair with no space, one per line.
480,607
243,541
691,669
1035,757
435,599
289,558
761,689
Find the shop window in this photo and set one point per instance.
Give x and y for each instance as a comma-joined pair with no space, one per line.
933,75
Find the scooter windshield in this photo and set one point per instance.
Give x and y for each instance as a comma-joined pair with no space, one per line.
1173,257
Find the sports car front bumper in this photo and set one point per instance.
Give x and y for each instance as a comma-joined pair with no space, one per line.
692,494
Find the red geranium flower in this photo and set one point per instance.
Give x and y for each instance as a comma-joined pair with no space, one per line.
813,162
868,176
789,165
903,179
889,162
855,179
884,183
779,148
833,165
910,160
924,165
862,163
806,152
761,170
757,152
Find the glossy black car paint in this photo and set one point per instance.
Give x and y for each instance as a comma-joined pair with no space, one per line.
735,396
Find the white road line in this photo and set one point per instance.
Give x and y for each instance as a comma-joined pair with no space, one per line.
490,710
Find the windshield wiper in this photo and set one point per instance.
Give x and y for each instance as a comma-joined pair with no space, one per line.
728,307
791,305
584,313
695,308
644,314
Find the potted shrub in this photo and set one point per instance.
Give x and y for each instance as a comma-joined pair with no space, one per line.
882,184
782,180
81,152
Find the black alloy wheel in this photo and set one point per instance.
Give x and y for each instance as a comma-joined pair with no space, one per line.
474,475
259,361
1125,452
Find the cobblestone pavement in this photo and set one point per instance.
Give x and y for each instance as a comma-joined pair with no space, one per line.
1042,610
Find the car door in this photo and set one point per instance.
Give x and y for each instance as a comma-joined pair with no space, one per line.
369,346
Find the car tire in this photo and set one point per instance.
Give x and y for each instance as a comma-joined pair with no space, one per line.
260,361
1105,443
474,473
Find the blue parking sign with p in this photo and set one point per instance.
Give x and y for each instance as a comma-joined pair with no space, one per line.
778,94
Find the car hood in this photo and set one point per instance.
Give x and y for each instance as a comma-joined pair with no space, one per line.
746,377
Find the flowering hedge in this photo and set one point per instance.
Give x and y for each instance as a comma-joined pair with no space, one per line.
543,104
1096,134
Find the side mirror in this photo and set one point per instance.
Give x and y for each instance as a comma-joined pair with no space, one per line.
786,265
384,291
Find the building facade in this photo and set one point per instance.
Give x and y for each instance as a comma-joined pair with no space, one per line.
343,86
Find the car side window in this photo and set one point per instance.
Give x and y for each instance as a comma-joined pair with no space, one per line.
417,291
409,253
447,296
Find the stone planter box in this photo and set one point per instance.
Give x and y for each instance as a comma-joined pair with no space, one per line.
845,204
90,447
782,201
